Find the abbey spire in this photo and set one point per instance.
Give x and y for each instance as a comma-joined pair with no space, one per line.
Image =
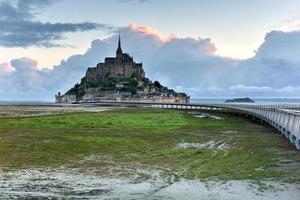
119,50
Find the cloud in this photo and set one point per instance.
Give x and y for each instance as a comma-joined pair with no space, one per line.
264,91
290,24
6,68
19,28
249,89
280,45
23,81
22,9
185,64
276,63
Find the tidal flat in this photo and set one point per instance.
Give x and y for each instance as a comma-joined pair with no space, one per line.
141,153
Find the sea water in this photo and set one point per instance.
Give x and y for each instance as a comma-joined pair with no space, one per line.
257,100
193,100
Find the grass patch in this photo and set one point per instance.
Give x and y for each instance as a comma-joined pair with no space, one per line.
149,137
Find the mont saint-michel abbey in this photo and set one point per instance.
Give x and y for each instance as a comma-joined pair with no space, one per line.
119,79
120,66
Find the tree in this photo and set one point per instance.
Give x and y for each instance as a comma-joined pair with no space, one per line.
133,83
93,83
157,84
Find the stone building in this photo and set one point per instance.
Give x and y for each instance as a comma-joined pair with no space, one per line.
66,98
120,66
119,78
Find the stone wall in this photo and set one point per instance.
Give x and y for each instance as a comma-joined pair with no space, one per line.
114,70
156,99
65,98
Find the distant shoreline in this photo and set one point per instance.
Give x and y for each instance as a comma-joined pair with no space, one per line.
195,100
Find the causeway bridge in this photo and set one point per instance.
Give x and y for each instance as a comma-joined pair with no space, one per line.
283,117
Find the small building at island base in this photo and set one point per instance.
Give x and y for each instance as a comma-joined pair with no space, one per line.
155,99
119,79
119,98
65,98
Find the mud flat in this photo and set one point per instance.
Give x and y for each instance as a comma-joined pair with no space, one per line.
203,115
7,111
38,184
219,145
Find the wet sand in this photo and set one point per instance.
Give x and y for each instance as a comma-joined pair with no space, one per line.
7,111
66,183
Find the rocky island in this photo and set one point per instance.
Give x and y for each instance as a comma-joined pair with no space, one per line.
119,79
240,100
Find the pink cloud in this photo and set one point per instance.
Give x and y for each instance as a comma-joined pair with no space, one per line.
6,68
198,44
148,30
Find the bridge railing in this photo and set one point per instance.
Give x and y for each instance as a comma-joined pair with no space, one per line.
285,118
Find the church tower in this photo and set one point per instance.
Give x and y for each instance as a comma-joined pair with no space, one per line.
119,52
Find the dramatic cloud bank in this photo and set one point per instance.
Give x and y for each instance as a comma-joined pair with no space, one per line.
20,29
186,64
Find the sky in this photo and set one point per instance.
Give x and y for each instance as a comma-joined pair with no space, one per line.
206,48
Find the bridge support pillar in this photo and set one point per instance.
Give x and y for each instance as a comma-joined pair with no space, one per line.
297,143
286,133
292,138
